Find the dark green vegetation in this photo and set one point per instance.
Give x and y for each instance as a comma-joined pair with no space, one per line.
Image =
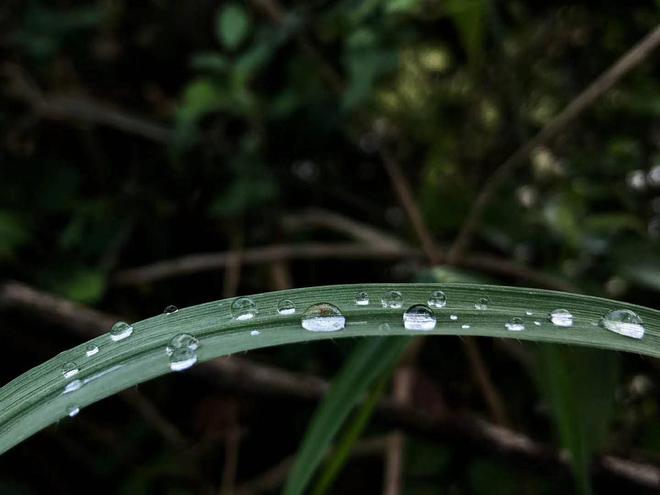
278,140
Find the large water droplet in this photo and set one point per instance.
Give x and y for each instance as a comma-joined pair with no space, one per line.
91,349
482,303
624,322
171,309
69,370
323,317
120,331
244,308
72,411
419,317
182,341
284,307
392,299
182,359
437,299
561,318
515,324
362,299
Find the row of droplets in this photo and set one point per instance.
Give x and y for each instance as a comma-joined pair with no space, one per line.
324,317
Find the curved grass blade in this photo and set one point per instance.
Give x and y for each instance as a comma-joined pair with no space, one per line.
369,360
36,399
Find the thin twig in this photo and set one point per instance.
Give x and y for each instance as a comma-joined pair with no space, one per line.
246,376
628,61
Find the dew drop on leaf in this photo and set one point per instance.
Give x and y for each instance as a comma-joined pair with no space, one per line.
515,324
482,304
362,299
561,318
323,317
243,308
453,317
392,299
624,322
69,370
91,349
284,307
419,317
437,299
72,411
120,331
171,309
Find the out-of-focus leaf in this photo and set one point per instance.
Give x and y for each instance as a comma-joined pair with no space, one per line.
13,234
645,273
579,385
83,285
370,359
469,17
210,62
233,25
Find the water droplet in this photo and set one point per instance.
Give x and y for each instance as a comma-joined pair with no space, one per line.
437,299
392,299
453,317
182,359
72,411
362,299
91,349
624,322
561,318
419,317
323,317
482,303
515,324
120,331
529,313
254,333
284,307
537,323
636,180
171,309
182,341
465,326
244,308
72,386
69,370
384,327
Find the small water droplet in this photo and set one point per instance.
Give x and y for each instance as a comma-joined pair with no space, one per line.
515,324
362,299
72,411
284,307
482,304
120,331
171,309
465,326
392,299
561,318
323,317
529,313
182,341
437,299
537,323
384,327
453,317
69,370
419,317
91,349
244,308
624,322
254,333
72,386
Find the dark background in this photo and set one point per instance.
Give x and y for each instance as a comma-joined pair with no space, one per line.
137,132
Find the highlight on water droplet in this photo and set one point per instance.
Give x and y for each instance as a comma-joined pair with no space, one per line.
437,299
465,326
182,341
453,317
362,299
419,317
254,333
182,358
624,322
537,323
72,386
69,370
529,313
171,309
561,318
91,349
482,303
72,411
244,308
284,307
120,331
392,299
515,324
323,317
